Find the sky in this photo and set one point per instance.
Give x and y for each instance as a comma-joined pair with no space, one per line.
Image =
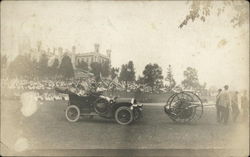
142,31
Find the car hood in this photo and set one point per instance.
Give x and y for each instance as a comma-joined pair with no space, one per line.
123,100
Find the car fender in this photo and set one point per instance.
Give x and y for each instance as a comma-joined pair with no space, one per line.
116,105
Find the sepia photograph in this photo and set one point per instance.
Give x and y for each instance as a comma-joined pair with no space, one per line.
125,78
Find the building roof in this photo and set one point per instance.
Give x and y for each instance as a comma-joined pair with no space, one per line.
91,54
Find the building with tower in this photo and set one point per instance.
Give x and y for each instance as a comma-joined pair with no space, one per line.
94,56
59,53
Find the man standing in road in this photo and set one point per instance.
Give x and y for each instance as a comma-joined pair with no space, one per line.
224,101
244,105
235,107
218,107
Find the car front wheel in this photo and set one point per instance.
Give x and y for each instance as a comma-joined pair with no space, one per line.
123,115
72,113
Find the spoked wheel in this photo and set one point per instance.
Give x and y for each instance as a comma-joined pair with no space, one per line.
183,107
123,115
72,113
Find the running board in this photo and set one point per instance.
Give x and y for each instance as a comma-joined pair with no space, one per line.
89,114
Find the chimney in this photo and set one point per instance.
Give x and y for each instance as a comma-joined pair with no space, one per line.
97,46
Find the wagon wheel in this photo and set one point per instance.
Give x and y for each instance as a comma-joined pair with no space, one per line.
72,113
123,115
183,107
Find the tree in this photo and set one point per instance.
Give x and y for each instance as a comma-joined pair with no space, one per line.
54,68
83,65
55,64
140,80
21,66
105,69
170,78
203,89
96,69
35,68
114,72
43,65
3,61
3,65
153,75
127,73
191,80
200,9
66,67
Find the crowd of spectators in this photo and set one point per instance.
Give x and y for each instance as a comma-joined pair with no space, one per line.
23,84
105,84
45,88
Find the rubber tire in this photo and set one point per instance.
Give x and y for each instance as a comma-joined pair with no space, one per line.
78,113
123,108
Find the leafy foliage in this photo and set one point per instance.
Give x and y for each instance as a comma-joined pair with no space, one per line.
55,64
200,9
191,80
53,70
114,72
100,69
83,65
127,73
3,61
153,75
43,66
96,70
170,78
105,69
140,80
66,67
21,66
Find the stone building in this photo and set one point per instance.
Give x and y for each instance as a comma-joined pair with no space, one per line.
94,56
58,53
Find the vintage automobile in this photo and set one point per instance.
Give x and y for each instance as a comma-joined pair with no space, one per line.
123,110
184,106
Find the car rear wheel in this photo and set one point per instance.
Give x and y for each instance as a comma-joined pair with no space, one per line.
72,113
123,115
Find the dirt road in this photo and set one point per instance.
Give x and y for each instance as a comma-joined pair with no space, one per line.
48,129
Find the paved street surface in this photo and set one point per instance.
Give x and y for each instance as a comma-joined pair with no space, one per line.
48,129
